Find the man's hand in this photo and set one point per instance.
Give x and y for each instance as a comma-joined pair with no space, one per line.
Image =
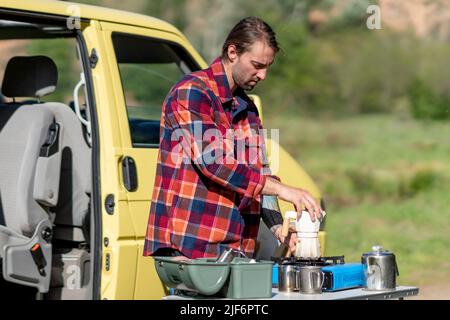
298,197
301,198
292,241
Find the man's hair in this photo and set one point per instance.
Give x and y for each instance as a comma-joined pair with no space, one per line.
246,32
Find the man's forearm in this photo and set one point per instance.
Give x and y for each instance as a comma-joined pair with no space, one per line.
272,187
300,198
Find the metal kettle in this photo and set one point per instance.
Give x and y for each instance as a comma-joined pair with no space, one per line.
380,269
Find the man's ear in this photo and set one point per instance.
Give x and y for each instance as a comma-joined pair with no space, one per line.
232,53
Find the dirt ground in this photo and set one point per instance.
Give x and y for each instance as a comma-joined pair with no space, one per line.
433,292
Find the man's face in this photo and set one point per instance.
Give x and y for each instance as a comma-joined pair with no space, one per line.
251,66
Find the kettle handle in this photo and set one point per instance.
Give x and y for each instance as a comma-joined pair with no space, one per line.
318,272
396,267
369,264
323,278
297,279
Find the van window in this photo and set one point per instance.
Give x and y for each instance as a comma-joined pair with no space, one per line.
148,69
63,53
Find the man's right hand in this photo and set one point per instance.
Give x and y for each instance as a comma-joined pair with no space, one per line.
300,198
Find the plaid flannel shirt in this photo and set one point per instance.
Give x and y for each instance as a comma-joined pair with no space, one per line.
203,207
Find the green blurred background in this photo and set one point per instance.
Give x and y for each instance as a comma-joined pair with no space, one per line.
366,113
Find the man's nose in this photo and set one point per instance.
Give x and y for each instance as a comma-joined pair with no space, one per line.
262,74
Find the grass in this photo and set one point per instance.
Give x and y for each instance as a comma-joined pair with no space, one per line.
385,179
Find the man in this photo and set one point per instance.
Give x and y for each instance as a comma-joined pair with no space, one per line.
200,208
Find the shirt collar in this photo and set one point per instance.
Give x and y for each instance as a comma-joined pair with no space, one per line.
220,77
234,103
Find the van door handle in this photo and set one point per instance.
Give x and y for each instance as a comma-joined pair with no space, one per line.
129,173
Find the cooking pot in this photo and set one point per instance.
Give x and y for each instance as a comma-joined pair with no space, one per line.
287,277
380,269
311,279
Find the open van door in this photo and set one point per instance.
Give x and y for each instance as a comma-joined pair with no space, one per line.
142,65
45,163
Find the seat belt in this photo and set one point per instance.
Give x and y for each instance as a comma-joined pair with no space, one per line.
39,259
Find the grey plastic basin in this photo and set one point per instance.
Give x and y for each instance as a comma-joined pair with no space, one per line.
203,275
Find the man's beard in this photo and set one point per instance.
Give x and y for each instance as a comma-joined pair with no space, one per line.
247,86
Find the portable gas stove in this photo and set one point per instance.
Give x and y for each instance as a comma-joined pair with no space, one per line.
321,261
338,275
285,265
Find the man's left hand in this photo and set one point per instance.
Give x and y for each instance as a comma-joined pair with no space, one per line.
292,241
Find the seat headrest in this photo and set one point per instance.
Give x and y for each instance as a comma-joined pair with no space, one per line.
34,76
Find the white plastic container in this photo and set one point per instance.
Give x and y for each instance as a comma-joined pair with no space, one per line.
308,245
304,224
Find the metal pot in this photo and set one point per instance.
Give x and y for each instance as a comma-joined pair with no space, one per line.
229,254
311,279
226,256
380,269
288,275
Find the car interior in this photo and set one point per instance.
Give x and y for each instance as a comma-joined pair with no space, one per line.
45,165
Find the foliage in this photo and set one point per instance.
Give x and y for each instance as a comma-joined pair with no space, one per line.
341,68
425,104
385,180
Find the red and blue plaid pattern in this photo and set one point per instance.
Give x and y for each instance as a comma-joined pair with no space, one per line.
203,207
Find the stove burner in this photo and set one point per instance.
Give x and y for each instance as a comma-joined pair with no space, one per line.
322,261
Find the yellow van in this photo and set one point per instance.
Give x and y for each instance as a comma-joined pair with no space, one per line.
81,95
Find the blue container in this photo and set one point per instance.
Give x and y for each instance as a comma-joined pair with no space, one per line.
343,276
275,275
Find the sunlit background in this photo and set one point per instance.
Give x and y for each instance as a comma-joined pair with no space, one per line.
365,112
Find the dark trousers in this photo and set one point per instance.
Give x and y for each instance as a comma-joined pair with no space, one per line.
167,252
